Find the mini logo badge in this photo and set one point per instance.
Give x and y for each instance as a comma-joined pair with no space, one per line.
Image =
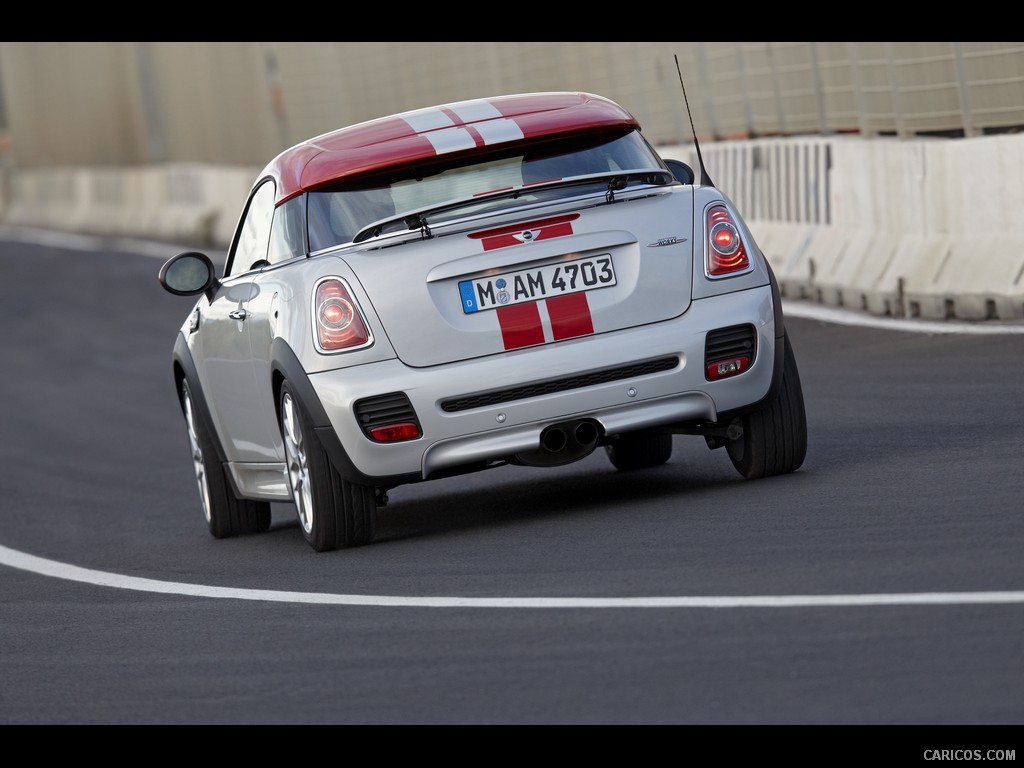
666,241
527,235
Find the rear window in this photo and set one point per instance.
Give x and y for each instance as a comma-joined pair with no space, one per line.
336,216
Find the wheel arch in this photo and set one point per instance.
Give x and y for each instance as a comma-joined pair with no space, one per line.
781,337
285,365
185,370
779,361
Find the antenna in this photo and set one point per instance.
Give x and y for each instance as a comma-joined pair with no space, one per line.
704,178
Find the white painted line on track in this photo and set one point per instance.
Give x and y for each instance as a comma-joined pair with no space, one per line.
83,242
791,308
58,570
811,311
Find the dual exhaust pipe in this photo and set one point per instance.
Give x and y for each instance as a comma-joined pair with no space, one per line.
563,444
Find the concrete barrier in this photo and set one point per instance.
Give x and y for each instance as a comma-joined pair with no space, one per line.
927,228
182,202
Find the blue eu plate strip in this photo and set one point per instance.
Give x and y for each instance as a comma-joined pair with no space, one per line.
468,297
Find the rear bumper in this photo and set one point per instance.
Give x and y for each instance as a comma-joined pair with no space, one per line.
492,432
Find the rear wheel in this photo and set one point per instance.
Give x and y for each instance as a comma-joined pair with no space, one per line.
640,450
226,514
774,439
333,512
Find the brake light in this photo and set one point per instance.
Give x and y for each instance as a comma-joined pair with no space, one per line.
339,325
726,252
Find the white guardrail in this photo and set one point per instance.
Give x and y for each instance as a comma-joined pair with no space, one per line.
926,228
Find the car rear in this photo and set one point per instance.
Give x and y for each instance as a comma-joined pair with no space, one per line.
534,335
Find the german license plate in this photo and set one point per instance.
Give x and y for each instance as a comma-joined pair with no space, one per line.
510,288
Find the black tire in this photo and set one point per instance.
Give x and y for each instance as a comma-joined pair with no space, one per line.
226,514
774,440
333,512
639,450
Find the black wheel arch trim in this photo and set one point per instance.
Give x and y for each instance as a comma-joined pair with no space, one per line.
781,340
286,367
183,359
186,369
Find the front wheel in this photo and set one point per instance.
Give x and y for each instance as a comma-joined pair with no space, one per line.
226,514
333,512
774,439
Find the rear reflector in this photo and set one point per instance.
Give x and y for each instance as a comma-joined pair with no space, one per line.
723,369
729,351
395,433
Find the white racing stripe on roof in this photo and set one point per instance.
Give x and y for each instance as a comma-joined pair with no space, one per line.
476,110
58,570
450,140
440,130
497,131
428,120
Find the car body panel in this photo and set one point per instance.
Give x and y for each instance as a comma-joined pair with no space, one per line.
221,351
608,403
415,289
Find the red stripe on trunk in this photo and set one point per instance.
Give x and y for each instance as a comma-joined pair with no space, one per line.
502,241
570,316
520,325
526,236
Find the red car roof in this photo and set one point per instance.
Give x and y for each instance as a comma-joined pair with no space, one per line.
424,135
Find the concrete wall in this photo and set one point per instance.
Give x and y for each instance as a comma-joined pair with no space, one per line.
853,202
926,228
240,103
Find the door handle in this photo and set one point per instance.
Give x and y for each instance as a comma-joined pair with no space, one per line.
238,314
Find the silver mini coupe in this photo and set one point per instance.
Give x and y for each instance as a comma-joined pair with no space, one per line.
516,280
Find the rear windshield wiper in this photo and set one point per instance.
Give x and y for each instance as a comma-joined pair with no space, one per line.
614,181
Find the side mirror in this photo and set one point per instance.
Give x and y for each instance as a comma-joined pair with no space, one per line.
188,274
684,174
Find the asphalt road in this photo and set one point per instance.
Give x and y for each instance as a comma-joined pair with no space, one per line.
912,486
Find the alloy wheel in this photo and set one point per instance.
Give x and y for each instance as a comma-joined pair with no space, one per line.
298,464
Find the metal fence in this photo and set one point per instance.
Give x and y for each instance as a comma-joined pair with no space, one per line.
131,103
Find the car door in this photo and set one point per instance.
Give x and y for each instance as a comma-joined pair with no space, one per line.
272,291
225,365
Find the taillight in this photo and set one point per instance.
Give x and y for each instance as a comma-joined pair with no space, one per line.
726,252
339,325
